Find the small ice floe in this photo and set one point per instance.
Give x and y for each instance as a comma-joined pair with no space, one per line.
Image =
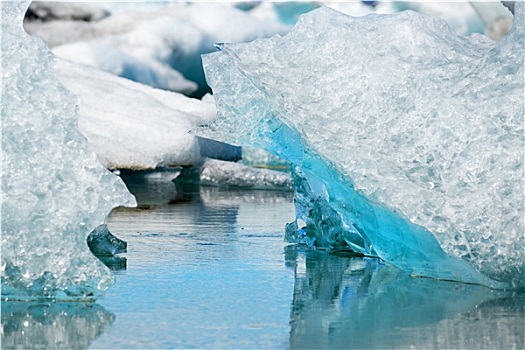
105,246
213,172
101,242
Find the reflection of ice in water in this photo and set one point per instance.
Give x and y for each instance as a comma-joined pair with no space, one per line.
203,273
52,325
361,303
185,221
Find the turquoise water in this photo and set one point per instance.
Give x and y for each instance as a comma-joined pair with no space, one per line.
208,268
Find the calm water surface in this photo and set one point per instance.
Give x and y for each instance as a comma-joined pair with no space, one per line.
208,268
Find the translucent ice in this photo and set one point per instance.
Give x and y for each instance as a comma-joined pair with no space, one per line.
409,138
54,191
101,242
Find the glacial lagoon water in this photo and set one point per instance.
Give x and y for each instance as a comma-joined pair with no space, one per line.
208,268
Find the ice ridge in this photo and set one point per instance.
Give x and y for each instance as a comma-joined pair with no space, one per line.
408,138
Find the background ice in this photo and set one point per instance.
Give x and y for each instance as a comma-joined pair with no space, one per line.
148,41
54,191
401,127
46,11
134,126
464,17
260,158
160,48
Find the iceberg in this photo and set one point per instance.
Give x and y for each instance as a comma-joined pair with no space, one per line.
54,190
407,139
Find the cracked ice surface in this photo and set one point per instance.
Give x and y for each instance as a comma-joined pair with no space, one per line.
409,138
54,191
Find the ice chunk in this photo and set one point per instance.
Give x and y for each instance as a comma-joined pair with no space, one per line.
134,126
260,158
54,191
410,134
233,175
106,246
219,173
101,242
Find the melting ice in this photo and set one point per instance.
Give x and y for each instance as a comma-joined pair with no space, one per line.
54,190
407,139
